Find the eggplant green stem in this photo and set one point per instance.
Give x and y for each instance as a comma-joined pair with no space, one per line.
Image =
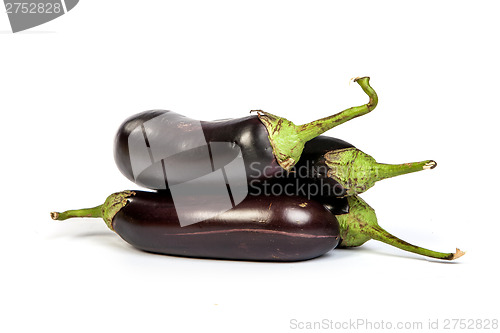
288,139
106,211
357,171
84,212
360,225
313,129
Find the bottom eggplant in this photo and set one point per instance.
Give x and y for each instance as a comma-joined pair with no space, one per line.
260,228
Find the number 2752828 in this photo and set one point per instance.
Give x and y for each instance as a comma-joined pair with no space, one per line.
33,8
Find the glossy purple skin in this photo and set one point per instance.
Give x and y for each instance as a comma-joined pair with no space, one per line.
264,228
248,133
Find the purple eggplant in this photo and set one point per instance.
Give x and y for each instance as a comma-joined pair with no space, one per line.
337,165
191,150
330,167
159,149
262,228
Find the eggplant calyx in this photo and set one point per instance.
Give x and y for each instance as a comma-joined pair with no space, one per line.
360,225
283,136
357,171
107,211
113,204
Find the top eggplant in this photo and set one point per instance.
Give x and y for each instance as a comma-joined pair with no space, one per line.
159,149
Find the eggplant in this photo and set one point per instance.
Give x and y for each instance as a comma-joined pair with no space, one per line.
159,149
170,157
331,167
260,228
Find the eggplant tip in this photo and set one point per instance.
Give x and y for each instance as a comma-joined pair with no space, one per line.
457,254
54,215
357,78
430,165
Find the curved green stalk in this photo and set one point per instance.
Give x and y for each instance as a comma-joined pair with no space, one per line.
288,139
84,212
313,129
106,211
360,225
357,171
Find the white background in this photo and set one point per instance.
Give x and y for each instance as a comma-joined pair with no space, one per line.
66,86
